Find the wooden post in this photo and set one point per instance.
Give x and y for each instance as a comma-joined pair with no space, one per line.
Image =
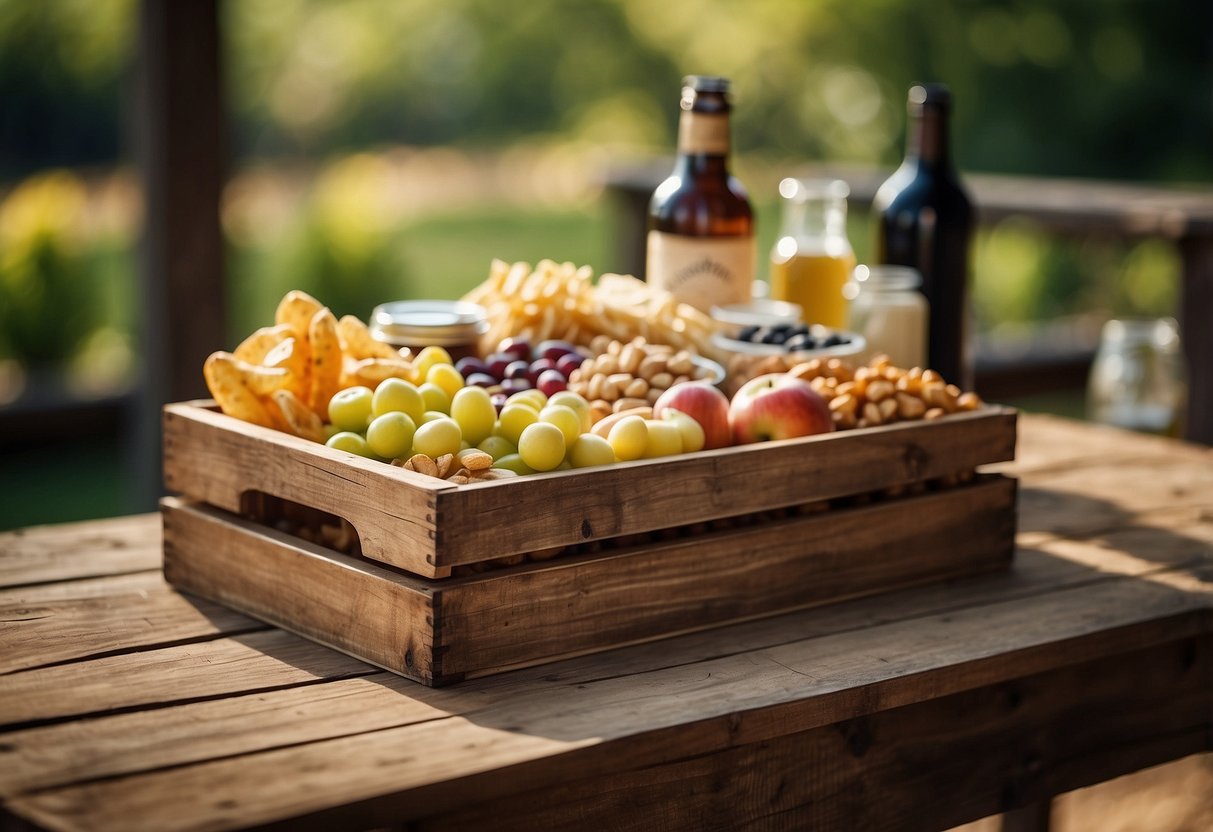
1196,330
1034,817
180,127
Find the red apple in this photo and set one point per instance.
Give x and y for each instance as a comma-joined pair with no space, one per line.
777,406
703,403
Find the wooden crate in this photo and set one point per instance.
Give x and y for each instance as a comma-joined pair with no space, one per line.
642,550
444,630
428,526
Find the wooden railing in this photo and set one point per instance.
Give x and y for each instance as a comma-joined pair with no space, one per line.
1068,208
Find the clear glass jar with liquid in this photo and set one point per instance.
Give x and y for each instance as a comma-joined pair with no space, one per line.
812,259
1137,379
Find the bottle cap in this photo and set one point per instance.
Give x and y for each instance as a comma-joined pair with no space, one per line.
937,96
712,85
706,83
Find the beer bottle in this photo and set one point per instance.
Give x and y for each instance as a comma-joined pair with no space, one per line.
924,220
700,241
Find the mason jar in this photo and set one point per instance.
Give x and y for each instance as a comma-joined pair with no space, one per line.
1137,379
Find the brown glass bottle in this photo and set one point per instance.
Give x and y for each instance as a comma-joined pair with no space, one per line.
924,220
700,241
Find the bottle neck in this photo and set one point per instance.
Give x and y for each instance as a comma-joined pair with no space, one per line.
927,140
703,138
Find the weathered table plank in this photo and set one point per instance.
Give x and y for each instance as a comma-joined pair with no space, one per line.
42,632
260,660
735,700
79,550
1001,689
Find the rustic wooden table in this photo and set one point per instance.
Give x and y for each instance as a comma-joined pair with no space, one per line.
125,705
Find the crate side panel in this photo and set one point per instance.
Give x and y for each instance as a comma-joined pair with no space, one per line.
354,606
525,617
525,514
215,459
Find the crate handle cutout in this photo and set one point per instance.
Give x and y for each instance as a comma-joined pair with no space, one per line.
298,520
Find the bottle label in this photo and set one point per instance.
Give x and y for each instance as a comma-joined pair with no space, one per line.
702,271
703,133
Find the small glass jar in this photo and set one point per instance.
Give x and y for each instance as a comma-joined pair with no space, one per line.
1137,379
812,259
454,325
889,311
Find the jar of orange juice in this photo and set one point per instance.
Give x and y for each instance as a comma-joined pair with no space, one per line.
812,259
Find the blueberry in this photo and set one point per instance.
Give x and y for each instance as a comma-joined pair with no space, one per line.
774,336
747,333
832,340
800,329
798,342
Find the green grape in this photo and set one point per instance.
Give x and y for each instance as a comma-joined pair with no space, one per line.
435,397
396,394
514,419
429,357
575,401
664,439
497,447
350,409
391,435
629,437
472,408
541,446
513,462
564,418
349,442
446,377
693,437
590,450
441,436
533,399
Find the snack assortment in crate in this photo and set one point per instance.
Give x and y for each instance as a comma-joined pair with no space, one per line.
500,550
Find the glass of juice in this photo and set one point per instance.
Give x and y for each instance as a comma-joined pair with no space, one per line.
812,259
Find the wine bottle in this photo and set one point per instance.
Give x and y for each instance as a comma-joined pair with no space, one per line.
924,219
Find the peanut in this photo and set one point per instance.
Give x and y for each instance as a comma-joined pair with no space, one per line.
629,403
871,414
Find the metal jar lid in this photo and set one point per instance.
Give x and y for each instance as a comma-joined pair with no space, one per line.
441,323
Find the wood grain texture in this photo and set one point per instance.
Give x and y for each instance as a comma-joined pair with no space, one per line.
142,741
216,459
172,674
654,494
546,734
444,631
38,632
1077,663
930,765
79,550
67,752
427,526
384,617
491,623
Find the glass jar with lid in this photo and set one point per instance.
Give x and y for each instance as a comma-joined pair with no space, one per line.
454,325
890,312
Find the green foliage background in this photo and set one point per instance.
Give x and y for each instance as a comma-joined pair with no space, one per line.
1115,89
